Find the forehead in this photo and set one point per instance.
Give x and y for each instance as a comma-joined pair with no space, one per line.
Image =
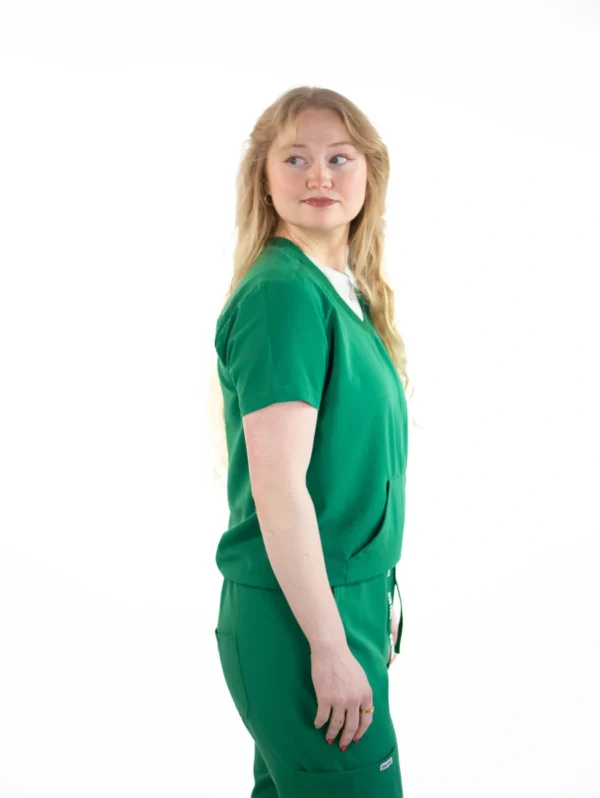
306,145
314,130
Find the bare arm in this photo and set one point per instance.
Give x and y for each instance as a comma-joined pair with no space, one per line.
279,440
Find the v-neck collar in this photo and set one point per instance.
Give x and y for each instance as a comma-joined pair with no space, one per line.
291,246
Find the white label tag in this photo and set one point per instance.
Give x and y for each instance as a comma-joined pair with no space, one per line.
386,764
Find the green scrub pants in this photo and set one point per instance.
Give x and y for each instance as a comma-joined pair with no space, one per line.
266,662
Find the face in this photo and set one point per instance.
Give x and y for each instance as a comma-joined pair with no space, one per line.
295,173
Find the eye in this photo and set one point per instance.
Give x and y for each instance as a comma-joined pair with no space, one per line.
339,155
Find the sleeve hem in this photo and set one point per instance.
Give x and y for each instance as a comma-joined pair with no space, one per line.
258,402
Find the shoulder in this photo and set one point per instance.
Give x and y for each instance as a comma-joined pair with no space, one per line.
274,291
276,297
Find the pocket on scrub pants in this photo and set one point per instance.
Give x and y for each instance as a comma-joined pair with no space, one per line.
230,663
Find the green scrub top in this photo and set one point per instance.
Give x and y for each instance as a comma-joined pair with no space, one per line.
286,334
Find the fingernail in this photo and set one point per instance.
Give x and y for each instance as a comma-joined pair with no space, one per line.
330,740
344,747
356,740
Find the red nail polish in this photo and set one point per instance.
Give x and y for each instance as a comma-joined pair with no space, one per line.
344,747
330,740
356,740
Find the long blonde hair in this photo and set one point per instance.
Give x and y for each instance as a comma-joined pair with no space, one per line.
257,221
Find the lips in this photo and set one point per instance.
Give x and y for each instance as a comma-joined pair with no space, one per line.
319,202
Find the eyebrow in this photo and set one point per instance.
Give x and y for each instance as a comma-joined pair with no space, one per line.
335,144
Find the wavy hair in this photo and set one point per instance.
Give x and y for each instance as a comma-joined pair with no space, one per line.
256,222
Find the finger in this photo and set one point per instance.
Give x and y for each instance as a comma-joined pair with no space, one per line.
350,727
365,720
338,714
323,712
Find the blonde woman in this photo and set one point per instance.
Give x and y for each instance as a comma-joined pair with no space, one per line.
315,422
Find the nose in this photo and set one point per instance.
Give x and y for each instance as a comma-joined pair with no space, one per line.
319,174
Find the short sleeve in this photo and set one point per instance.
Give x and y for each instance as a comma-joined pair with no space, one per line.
276,347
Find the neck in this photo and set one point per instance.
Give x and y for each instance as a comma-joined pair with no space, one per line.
330,250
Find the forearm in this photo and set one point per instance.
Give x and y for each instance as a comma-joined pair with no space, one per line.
290,531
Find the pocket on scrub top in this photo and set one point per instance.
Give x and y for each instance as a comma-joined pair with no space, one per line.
384,549
230,663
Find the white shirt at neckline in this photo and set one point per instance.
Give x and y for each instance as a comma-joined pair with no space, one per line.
343,282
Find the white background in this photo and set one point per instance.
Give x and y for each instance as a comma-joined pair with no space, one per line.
122,128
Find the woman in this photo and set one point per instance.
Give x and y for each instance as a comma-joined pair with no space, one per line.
316,428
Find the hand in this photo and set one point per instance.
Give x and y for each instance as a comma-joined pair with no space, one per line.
341,685
395,629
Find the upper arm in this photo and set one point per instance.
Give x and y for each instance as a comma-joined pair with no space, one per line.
279,442
275,347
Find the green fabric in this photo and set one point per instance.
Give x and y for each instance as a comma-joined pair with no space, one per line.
266,661
286,334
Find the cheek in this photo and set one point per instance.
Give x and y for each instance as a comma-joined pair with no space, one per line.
354,186
353,179
287,183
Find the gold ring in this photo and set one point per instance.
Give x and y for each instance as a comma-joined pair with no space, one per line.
370,709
